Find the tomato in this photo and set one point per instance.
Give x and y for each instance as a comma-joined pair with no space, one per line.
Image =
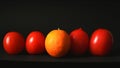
79,41
35,42
13,42
101,42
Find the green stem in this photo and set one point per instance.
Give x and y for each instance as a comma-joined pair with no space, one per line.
58,28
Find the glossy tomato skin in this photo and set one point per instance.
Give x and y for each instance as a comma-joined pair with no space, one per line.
13,42
79,42
101,42
35,43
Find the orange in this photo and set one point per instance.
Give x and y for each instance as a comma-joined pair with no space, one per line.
57,43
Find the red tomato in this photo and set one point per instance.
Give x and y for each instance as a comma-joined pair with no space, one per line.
13,43
35,43
79,41
101,42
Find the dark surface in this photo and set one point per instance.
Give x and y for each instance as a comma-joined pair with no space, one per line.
47,58
114,56
68,15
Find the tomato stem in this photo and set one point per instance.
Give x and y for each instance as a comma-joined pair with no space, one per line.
58,28
80,28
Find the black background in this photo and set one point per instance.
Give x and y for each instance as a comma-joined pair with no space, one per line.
26,16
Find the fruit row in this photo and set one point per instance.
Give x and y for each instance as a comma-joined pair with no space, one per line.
59,43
